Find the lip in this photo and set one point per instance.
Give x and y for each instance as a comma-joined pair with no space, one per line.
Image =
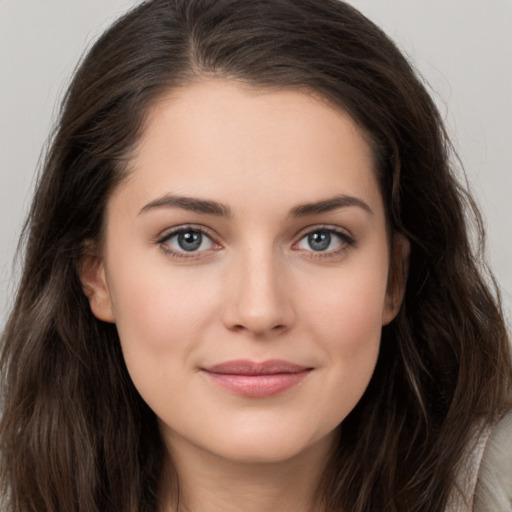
256,379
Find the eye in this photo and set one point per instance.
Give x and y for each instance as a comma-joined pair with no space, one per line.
324,241
186,240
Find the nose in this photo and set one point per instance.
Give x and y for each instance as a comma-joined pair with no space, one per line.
259,299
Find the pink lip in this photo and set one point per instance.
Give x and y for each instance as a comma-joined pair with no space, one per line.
257,380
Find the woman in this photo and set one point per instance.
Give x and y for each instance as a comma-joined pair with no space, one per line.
249,283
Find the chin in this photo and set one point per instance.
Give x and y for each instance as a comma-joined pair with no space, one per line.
269,447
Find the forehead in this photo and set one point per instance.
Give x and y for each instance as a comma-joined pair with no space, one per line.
226,139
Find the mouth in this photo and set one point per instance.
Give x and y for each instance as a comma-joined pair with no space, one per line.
257,379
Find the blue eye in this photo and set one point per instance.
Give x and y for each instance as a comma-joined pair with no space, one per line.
187,240
324,240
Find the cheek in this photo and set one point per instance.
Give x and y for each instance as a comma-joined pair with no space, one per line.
347,305
159,317
345,318
154,298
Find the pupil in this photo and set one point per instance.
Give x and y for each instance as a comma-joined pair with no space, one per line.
319,241
190,240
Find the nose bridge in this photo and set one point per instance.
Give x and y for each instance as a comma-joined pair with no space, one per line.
258,301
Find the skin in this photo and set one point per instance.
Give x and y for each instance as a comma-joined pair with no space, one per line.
255,289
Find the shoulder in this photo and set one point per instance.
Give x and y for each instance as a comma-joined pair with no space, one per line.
493,491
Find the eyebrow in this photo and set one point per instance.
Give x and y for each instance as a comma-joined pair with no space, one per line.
328,205
191,204
210,207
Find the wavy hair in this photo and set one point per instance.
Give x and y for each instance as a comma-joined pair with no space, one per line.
76,436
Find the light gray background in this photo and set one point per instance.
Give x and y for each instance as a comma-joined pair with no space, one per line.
463,48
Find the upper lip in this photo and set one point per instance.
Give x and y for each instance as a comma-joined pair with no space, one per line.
245,367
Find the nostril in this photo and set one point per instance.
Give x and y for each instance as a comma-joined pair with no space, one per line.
258,330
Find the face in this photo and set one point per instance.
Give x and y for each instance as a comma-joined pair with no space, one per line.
245,265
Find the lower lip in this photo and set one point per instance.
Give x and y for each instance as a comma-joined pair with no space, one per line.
257,386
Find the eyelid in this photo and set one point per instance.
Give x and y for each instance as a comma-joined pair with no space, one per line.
347,239
343,232
170,232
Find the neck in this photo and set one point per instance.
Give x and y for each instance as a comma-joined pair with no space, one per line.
210,483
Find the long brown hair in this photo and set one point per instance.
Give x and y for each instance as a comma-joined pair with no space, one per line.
76,436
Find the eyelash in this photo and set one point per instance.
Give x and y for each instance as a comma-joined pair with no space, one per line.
346,241
163,242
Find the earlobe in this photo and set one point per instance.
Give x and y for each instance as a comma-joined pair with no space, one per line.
94,284
397,280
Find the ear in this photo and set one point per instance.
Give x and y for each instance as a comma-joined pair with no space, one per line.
91,271
397,280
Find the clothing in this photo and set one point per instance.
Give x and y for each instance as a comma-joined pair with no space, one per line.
485,482
493,491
